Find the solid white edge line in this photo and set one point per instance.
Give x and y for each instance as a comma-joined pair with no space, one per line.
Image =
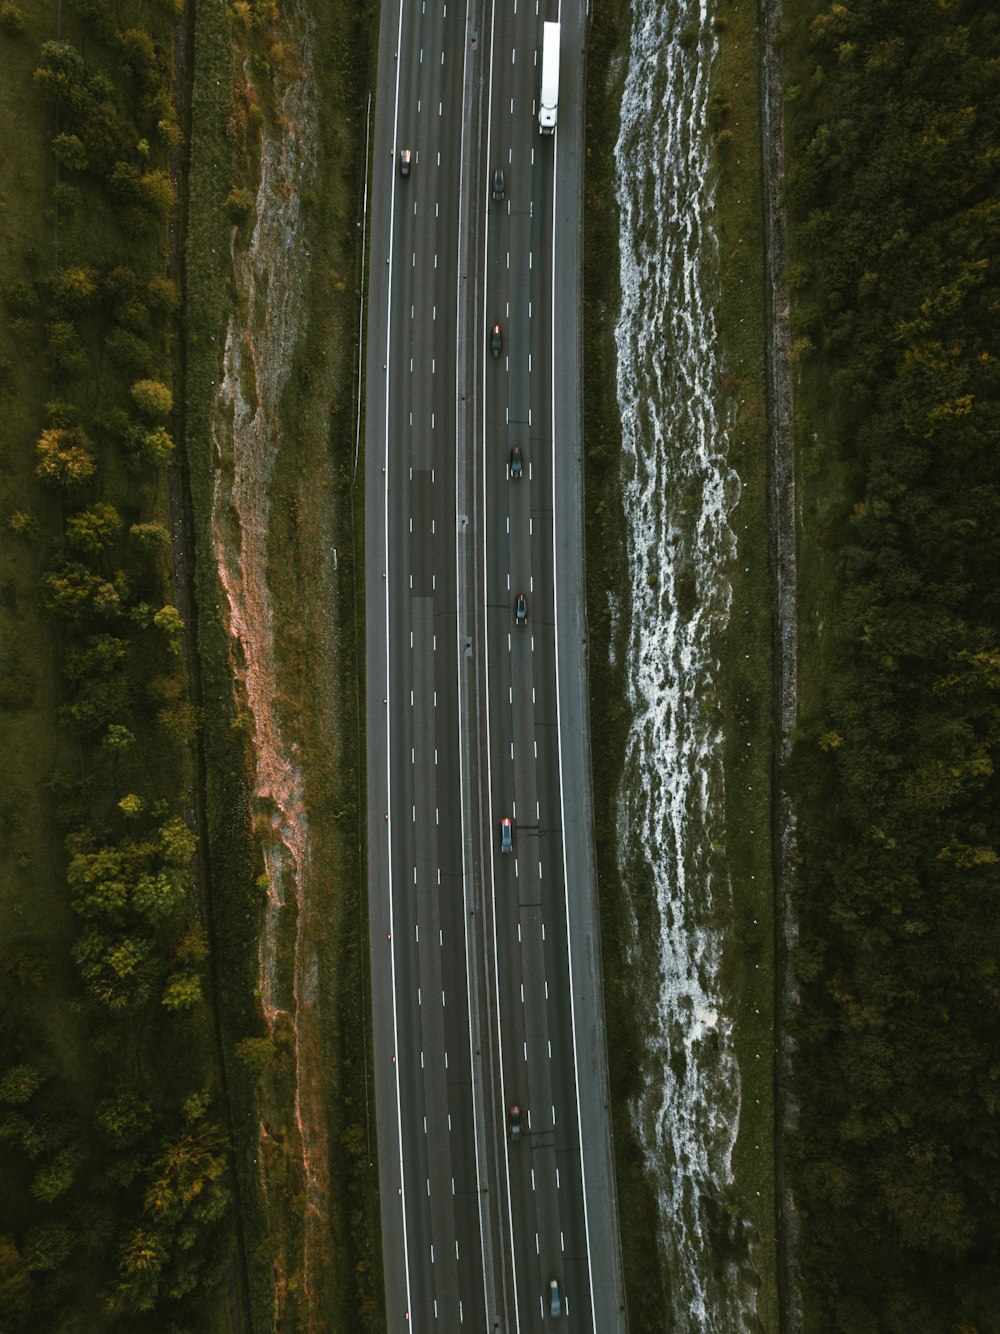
388,749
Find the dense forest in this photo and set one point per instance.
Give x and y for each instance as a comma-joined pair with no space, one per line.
893,192
115,1212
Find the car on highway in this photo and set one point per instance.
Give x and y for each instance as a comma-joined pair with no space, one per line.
555,1301
496,340
520,609
516,462
498,184
514,1120
404,162
506,834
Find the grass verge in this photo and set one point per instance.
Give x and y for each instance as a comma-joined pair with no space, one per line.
747,657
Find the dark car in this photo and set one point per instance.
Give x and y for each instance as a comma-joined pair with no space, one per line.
404,162
496,340
516,462
506,834
498,184
514,1120
555,1301
520,609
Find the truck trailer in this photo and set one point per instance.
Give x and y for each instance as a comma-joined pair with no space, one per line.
548,102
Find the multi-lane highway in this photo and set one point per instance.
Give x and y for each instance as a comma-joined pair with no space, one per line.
484,963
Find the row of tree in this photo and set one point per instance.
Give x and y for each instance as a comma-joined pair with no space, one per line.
894,202
114,1209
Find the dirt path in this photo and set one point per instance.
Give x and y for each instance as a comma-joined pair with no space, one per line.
782,523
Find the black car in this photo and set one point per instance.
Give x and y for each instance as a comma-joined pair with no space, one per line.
404,162
520,609
496,340
516,462
498,184
514,1115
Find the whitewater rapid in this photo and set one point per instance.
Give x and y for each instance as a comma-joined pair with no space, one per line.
678,492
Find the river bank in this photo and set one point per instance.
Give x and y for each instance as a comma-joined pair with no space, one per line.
697,1086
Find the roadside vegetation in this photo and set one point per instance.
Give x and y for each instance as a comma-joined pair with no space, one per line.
745,700
313,1057
116,1209
893,201
747,652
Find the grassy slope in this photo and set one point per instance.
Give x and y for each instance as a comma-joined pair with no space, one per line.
749,962
746,653
313,509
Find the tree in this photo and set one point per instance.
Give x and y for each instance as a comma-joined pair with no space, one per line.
168,619
118,738
162,295
156,192
177,843
157,895
141,1264
116,969
15,1283
71,590
255,1054
152,448
62,75
66,351
125,1118
183,991
64,456
23,523
128,351
131,806
70,152
11,19
94,529
152,538
47,1246
153,399
19,1083
96,656
56,1176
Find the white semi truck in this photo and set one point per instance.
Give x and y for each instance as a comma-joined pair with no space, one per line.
548,102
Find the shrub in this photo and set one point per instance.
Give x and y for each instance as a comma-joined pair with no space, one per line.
11,19
64,456
239,205
153,399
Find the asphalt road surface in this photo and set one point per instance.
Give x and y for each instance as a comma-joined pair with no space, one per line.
484,963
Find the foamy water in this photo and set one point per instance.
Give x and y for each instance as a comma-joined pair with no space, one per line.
678,492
